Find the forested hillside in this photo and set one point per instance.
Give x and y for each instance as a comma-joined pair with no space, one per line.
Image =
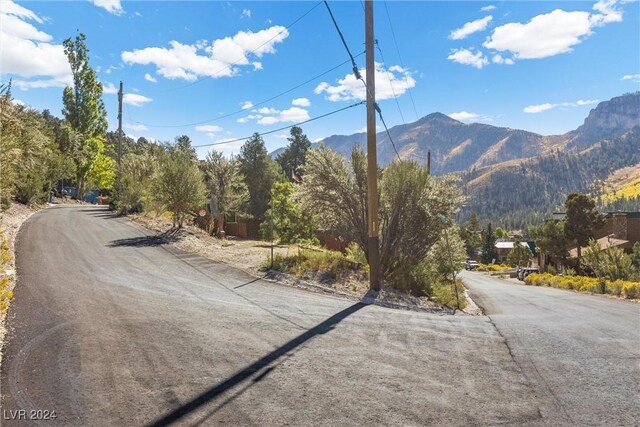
526,192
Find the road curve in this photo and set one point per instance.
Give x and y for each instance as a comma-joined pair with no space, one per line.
580,353
112,327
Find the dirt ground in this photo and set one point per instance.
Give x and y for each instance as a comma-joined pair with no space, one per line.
249,255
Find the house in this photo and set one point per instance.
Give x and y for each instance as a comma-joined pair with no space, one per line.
505,247
620,230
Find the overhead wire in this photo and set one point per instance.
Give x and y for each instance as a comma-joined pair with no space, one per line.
395,41
229,65
358,76
282,128
393,91
256,104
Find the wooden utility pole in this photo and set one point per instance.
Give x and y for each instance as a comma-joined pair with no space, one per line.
119,125
372,160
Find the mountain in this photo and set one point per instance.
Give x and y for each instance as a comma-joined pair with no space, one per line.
456,146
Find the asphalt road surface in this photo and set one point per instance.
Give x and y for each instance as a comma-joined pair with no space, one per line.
580,353
113,327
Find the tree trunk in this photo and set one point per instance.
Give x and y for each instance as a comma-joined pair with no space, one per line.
579,253
221,225
79,187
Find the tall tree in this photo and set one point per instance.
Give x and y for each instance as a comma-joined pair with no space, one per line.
294,156
260,172
180,186
582,220
470,234
520,255
489,251
285,220
225,185
83,109
551,240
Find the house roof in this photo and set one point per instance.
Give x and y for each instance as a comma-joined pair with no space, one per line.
508,245
605,242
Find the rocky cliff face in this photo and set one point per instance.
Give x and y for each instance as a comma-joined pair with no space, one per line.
608,119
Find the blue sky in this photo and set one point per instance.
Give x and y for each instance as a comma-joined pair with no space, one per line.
538,66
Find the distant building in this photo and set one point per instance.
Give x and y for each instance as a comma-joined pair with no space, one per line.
620,230
505,247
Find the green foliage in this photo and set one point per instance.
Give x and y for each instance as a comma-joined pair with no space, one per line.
448,253
520,255
471,235
445,293
84,111
335,192
294,155
635,256
551,240
329,265
582,220
499,233
260,172
356,254
225,185
103,172
625,289
489,251
285,220
138,173
180,184
411,206
610,263
30,159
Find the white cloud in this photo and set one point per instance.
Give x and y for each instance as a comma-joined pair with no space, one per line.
539,108
109,89
465,116
498,59
208,128
136,127
246,13
222,58
470,28
488,8
270,116
246,105
257,66
27,51
148,77
135,99
349,88
551,33
111,6
301,102
631,77
467,57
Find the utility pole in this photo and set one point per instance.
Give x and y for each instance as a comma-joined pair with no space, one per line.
372,161
119,125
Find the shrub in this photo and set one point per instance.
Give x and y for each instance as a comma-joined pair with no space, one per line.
618,287
444,294
307,263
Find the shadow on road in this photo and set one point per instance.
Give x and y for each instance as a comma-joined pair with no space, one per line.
141,242
242,376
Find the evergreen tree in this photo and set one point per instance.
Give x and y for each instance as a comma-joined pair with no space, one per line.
489,251
582,220
260,172
551,240
520,255
294,156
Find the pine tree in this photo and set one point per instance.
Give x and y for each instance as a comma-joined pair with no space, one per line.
294,156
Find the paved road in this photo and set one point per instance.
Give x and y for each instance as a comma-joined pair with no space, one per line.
113,327
580,353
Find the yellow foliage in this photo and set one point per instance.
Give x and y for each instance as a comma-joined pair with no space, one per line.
493,267
622,288
629,190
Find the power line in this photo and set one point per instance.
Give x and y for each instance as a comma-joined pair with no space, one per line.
356,72
228,66
256,104
393,91
395,41
282,128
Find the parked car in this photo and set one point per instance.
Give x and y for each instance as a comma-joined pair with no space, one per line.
524,272
471,265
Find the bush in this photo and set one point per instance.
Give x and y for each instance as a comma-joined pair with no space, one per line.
618,287
5,294
308,263
444,294
493,267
